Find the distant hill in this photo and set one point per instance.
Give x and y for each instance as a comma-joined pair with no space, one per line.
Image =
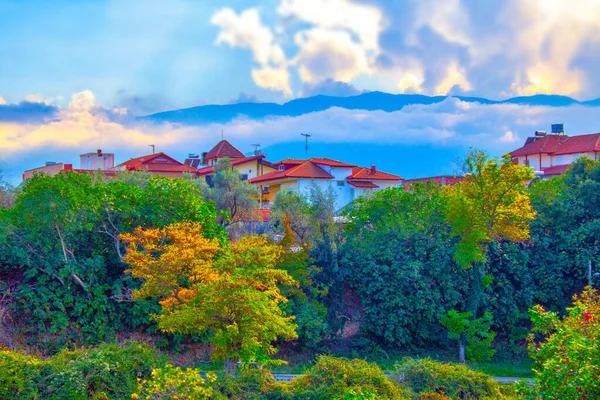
366,101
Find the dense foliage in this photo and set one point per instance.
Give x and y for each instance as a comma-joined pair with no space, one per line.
567,351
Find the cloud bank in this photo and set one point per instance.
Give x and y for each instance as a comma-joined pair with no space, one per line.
84,126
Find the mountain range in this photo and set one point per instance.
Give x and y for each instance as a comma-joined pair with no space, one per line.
371,101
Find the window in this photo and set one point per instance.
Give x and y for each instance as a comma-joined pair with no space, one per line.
280,168
89,164
244,177
341,183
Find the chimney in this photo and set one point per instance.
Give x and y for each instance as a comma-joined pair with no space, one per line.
68,167
373,170
99,152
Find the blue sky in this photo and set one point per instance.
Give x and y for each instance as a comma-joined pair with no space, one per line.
94,64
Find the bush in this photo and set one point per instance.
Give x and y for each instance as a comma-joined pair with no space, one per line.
251,384
567,355
107,371
339,378
19,375
171,382
455,381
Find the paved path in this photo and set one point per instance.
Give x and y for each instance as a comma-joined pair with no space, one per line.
289,377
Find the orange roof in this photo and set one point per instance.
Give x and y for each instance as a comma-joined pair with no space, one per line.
361,173
210,170
308,170
363,185
579,144
224,149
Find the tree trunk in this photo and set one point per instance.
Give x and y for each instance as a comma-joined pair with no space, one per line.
462,344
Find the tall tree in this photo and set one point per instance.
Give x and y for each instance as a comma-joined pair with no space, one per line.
233,197
490,203
204,286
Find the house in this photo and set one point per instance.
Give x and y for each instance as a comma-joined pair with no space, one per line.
89,163
348,181
551,154
157,164
248,167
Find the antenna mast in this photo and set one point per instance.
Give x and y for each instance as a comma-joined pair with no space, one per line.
306,135
256,146
151,145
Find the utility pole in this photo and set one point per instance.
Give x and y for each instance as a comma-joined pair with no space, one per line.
151,145
306,135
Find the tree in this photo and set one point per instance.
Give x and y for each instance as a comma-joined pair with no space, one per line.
490,203
398,259
567,351
208,287
7,193
291,208
233,197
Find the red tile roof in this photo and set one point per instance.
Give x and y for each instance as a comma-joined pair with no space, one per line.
147,163
557,145
316,160
363,185
308,170
556,170
579,144
224,149
361,173
239,161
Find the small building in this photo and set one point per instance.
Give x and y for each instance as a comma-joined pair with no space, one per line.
97,161
348,181
247,166
157,164
551,154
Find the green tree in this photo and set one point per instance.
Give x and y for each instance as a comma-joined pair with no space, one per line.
398,259
231,291
233,197
490,203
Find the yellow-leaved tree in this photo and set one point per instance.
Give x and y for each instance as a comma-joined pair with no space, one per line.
490,203
230,290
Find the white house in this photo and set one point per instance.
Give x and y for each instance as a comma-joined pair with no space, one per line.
347,180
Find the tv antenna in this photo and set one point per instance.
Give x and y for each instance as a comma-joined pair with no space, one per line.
256,146
151,145
306,135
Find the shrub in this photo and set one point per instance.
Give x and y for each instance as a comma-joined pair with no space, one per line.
19,375
339,378
455,381
171,382
251,384
108,371
567,359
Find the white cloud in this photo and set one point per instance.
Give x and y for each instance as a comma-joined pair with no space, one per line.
327,53
361,20
455,76
2,101
247,31
509,137
276,79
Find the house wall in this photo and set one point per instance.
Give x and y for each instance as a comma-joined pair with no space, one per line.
49,170
569,158
546,161
253,169
93,161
